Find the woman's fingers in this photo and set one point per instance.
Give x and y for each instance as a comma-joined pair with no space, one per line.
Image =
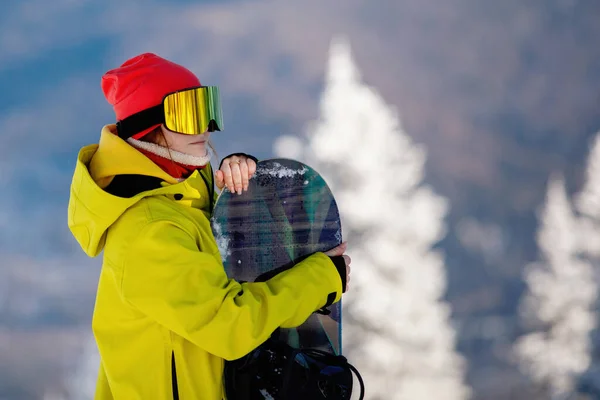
244,171
237,171
220,179
227,174
236,177
251,167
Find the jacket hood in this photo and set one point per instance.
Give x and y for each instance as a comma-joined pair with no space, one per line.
92,210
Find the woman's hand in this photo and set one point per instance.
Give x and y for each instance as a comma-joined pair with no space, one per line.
339,251
235,172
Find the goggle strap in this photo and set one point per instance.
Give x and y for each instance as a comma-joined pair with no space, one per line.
137,122
213,126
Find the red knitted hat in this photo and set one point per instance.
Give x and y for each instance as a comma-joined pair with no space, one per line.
142,82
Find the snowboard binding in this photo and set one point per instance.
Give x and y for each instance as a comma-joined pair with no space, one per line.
277,371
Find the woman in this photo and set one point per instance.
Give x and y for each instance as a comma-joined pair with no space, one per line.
166,315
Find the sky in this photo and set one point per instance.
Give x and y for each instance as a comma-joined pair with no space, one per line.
501,94
269,59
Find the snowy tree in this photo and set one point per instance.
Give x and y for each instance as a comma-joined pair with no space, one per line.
559,302
81,383
587,203
396,326
588,200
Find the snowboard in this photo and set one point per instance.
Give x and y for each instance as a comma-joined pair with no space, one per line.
287,214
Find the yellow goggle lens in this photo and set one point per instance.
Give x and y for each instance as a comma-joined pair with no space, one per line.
194,111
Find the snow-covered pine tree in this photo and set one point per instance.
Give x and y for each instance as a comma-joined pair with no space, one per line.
588,199
587,203
559,301
396,326
81,382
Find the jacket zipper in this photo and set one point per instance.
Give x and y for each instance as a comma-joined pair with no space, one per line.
174,377
211,192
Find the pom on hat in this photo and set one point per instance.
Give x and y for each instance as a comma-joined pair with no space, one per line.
142,82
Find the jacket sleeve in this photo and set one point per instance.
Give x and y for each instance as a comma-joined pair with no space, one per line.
167,278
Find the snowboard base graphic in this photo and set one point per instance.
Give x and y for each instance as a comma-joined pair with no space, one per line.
287,214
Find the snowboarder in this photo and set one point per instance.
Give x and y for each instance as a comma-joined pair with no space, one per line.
166,315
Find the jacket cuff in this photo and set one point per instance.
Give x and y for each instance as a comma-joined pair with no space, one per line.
340,266
238,154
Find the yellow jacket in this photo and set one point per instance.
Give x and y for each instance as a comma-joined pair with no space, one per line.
165,310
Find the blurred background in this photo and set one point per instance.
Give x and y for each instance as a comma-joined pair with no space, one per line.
490,111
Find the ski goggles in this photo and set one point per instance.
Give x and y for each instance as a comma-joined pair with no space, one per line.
190,112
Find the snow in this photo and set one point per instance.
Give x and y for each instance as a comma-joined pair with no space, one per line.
281,171
222,241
